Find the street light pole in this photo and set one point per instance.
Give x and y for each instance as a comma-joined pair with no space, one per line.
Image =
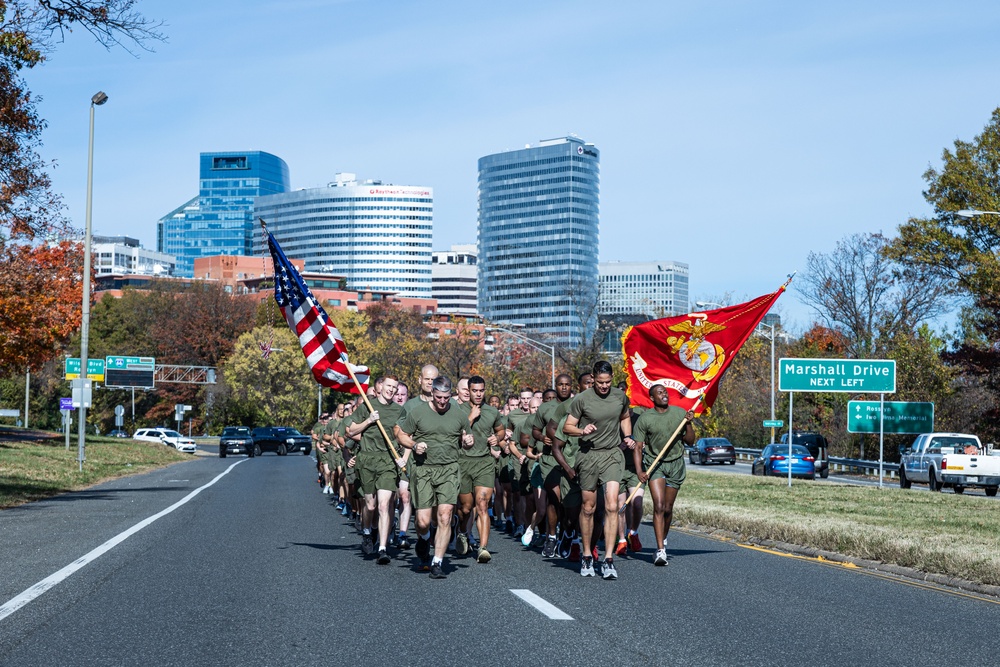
538,345
98,99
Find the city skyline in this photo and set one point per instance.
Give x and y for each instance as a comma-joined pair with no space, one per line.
737,138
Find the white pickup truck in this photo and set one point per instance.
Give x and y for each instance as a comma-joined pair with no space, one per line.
957,460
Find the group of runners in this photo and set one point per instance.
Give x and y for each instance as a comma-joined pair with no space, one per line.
545,466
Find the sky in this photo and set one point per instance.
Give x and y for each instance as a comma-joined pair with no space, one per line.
737,137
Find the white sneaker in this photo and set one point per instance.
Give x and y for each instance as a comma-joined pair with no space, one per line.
661,557
527,537
327,489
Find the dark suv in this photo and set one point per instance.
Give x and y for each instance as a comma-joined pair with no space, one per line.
817,446
280,440
235,440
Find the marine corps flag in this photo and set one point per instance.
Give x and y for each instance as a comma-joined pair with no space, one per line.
688,354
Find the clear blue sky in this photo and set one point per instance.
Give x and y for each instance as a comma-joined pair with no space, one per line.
734,136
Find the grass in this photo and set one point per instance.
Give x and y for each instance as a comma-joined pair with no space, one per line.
40,466
947,534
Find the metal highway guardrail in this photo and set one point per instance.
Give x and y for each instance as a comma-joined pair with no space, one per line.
837,464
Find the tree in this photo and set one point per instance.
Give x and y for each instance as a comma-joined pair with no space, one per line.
28,31
964,251
39,302
279,390
455,355
868,299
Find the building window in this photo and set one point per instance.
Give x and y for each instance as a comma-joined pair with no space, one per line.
333,302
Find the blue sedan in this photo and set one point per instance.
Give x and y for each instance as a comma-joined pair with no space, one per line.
773,460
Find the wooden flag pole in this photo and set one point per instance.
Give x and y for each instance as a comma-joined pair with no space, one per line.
680,427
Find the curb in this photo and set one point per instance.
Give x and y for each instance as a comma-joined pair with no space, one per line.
871,565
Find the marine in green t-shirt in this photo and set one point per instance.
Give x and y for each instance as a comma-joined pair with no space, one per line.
655,433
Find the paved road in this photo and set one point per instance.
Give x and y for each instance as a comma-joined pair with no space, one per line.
258,569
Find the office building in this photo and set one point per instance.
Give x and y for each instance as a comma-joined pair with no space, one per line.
647,289
123,255
453,279
219,221
538,238
375,235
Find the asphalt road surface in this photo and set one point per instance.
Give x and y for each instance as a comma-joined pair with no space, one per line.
258,569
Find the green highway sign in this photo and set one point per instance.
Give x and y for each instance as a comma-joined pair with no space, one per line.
773,423
900,417
95,369
857,376
130,372
130,362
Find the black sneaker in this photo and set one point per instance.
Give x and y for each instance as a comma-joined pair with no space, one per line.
403,542
423,549
437,572
549,550
383,557
367,545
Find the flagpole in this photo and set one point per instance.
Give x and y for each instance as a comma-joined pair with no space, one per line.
684,422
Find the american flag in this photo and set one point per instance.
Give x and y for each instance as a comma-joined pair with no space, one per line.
320,341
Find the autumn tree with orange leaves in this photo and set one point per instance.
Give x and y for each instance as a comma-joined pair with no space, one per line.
39,302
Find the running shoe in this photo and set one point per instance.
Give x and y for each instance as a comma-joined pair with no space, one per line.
633,542
587,567
462,544
621,548
436,571
473,542
608,569
574,551
404,542
383,557
423,549
549,550
661,557
345,511
367,545
526,536
593,553
484,556
508,526
539,539
519,532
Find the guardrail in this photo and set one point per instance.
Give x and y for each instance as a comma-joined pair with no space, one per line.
857,466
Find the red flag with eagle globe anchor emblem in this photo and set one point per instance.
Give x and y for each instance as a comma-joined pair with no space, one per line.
688,354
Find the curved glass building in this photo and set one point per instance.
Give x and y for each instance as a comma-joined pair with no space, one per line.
376,236
538,238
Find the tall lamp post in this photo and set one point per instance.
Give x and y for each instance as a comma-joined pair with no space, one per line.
97,100
537,344
972,213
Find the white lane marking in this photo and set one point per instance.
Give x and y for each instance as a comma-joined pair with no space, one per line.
541,604
30,594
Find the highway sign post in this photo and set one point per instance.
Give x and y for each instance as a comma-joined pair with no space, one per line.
855,376
896,417
129,372
95,369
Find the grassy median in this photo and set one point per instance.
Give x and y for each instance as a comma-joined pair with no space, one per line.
932,532
36,465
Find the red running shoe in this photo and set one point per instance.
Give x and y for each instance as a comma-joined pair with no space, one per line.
633,542
620,549
574,552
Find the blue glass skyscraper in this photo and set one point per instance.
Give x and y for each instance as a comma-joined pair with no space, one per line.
220,220
538,238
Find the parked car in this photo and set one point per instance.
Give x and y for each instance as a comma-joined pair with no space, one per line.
958,460
712,450
817,446
773,460
118,433
281,440
236,440
167,437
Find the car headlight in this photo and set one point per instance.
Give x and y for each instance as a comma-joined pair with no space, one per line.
290,441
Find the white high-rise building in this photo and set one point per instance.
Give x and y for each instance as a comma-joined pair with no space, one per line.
652,289
377,236
454,278
122,255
